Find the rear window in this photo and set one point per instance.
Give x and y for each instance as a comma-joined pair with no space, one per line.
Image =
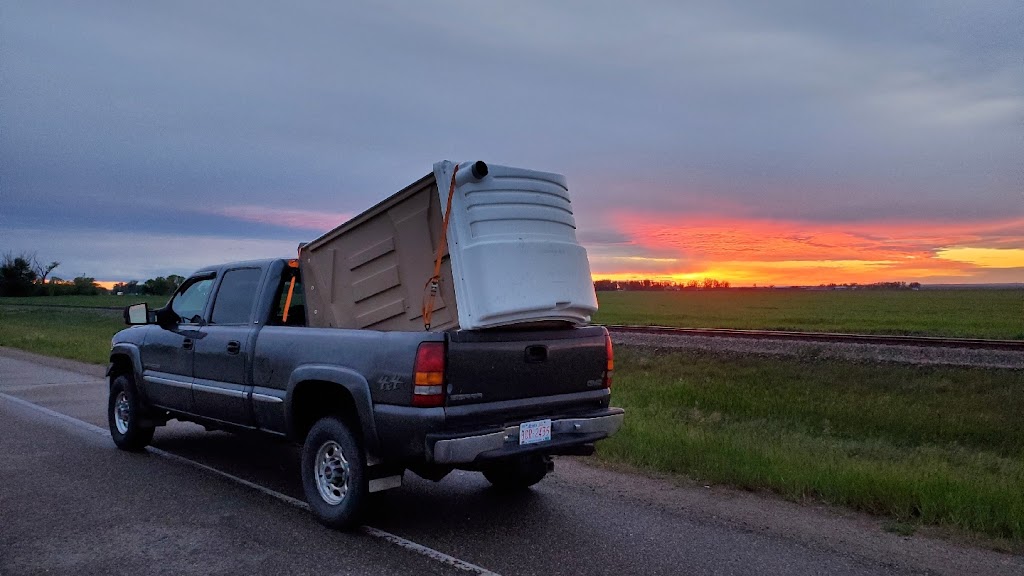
236,296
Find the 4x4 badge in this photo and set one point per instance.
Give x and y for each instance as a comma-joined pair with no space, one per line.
389,383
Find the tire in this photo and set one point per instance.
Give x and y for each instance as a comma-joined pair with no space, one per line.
334,473
519,473
124,412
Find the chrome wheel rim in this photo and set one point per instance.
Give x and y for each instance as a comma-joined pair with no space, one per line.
122,412
332,473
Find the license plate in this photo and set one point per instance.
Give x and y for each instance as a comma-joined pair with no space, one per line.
534,432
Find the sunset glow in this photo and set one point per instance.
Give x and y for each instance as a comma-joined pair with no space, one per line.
763,252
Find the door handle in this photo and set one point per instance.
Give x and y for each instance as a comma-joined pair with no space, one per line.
187,344
234,347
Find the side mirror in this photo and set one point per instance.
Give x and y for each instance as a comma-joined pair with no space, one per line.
165,318
137,314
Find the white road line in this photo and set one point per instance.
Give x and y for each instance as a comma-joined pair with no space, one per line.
62,417
409,545
15,387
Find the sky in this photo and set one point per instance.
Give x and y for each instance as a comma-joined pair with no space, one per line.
756,142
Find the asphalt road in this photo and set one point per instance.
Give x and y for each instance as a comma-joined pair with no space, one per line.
215,503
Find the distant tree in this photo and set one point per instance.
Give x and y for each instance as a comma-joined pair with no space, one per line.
131,287
17,276
161,286
44,271
87,286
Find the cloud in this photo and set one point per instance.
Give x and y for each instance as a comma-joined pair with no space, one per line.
122,256
141,118
985,257
289,217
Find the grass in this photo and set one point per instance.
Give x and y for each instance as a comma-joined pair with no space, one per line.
920,445
104,301
958,313
74,333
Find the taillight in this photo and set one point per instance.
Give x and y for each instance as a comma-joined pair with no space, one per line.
428,378
611,361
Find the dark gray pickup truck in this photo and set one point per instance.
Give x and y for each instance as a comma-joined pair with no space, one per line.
231,351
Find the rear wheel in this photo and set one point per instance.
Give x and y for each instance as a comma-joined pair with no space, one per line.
124,414
334,473
518,473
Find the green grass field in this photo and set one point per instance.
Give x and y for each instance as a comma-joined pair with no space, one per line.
920,445
958,313
65,332
106,301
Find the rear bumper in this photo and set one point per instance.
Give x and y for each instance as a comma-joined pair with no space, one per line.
565,433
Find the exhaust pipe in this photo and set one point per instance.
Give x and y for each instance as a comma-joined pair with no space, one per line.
469,173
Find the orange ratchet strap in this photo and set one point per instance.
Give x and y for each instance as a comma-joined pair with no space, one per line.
433,284
288,301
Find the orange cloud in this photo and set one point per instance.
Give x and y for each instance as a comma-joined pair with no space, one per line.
747,251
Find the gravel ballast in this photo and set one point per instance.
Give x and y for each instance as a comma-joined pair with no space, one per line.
934,355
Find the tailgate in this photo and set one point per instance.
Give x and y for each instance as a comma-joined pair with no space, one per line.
496,365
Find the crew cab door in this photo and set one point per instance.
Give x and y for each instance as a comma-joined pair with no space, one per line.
221,387
169,349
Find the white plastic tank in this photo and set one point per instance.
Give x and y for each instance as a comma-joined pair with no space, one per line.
513,248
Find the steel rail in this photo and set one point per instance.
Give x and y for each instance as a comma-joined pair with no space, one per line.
827,337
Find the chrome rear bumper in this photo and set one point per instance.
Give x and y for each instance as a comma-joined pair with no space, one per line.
564,432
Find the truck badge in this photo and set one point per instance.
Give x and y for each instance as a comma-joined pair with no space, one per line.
389,383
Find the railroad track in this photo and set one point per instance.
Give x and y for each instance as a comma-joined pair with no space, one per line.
826,337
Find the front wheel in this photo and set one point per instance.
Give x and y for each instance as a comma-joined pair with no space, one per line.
519,473
124,414
334,473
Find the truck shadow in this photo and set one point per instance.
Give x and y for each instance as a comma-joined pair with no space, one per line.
462,503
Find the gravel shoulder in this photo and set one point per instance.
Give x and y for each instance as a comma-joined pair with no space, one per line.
821,350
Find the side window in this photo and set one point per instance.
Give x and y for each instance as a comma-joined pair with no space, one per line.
236,296
188,303
290,304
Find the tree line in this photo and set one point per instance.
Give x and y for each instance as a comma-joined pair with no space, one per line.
872,286
159,286
715,284
658,285
25,275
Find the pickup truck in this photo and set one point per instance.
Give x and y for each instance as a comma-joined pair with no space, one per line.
231,351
